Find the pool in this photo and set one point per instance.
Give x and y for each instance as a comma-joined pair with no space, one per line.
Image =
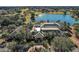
55,17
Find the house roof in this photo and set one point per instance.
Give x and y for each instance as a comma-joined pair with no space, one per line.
2,40
76,22
50,29
39,35
51,23
50,26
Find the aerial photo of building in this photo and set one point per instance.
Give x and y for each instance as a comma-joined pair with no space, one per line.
39,29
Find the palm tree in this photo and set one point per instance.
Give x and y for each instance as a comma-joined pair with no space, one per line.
65,12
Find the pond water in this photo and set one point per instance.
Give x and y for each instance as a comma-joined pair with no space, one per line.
55,17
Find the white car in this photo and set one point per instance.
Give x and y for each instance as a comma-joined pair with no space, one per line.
36,28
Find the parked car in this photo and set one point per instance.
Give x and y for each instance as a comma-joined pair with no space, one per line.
36,27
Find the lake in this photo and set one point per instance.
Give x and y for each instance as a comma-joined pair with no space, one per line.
55,17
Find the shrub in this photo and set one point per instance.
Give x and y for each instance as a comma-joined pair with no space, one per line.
62,44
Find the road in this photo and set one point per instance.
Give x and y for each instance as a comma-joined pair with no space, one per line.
16,30
73,38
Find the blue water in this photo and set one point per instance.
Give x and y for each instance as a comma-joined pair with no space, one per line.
55,17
